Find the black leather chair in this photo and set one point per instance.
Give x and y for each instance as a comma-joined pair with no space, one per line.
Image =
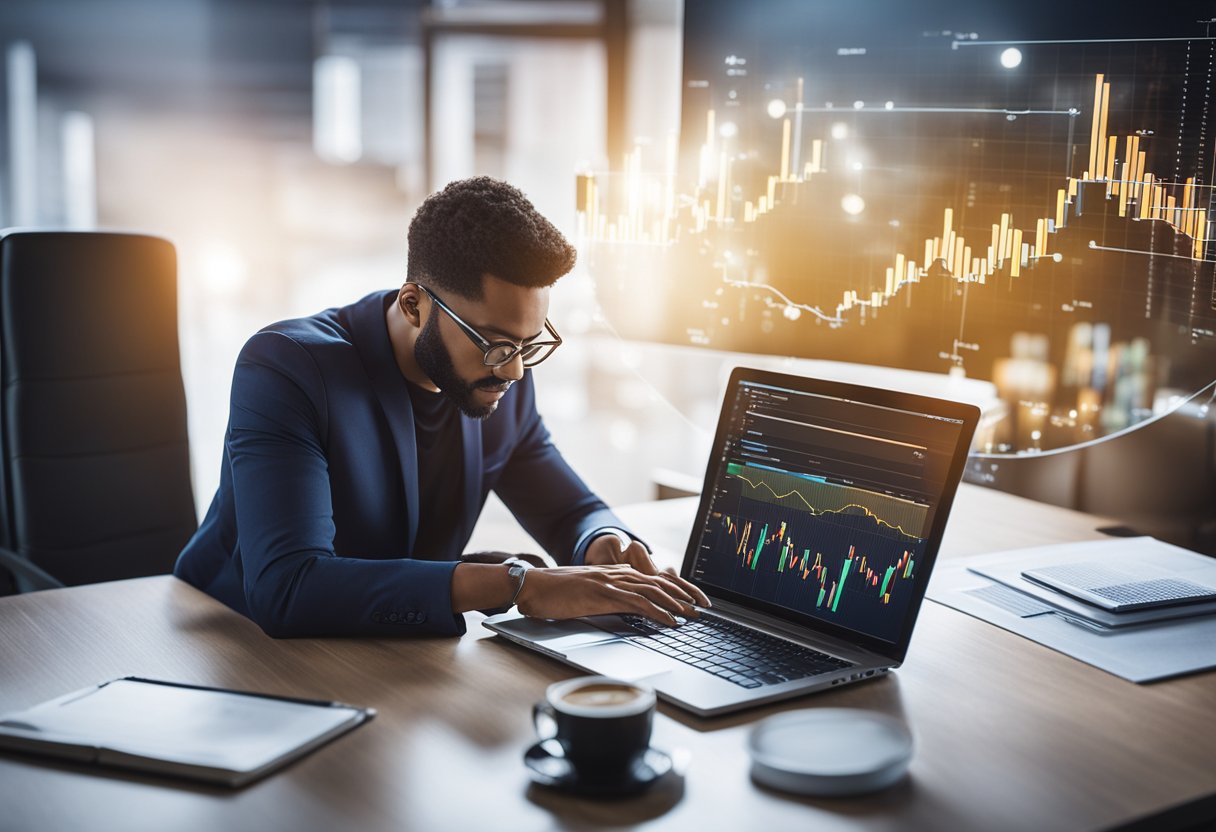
94,454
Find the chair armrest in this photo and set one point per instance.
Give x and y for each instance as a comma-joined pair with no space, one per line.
29,576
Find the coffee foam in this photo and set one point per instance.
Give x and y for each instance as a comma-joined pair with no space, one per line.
600,696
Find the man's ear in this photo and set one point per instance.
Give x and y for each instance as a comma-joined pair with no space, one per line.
408,299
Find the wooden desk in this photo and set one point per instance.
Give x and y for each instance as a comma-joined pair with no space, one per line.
1010,735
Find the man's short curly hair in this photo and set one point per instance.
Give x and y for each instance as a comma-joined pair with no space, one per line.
482,225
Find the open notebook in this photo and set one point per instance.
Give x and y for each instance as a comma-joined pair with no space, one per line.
209,734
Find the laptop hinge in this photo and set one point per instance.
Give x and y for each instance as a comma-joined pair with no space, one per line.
793,632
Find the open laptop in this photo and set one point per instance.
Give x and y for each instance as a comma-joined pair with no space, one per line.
820,519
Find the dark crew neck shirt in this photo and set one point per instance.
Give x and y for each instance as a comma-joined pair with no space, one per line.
440,471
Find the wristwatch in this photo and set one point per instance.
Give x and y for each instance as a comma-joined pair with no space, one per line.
517,570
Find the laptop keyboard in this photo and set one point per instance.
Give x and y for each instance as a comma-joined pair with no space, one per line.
738,654
1155,591
1113,584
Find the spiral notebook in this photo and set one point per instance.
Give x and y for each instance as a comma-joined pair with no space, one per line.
200,733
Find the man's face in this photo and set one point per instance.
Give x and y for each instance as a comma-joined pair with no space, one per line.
505,312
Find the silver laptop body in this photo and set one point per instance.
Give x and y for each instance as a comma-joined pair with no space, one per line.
825,482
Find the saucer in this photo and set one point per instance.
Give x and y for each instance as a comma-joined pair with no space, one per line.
548,766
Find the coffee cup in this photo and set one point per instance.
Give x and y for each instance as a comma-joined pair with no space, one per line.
602,724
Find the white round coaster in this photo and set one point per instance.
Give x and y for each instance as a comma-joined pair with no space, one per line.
829,751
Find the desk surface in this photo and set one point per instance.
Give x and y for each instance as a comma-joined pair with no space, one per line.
1009,735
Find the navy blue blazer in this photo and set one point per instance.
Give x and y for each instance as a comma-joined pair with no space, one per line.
312,529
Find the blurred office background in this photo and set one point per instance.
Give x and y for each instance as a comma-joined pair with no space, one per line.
283,145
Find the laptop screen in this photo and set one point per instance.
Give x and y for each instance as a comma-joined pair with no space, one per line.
823,505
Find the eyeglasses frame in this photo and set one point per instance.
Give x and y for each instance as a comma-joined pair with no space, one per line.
486,346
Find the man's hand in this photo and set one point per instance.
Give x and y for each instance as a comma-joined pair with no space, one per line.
501,557
575,591
607,549
615,579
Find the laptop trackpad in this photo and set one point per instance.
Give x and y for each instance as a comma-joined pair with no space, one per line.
621,660
550,636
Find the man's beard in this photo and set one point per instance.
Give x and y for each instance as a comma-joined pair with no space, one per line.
435,360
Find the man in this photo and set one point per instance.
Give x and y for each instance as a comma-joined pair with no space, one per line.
362,443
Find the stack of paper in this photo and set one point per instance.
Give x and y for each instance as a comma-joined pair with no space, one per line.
1138,645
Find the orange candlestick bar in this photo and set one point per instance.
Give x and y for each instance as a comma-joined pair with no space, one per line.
1003,239
1094,134
1124,189
785,150
1146,197
1102,131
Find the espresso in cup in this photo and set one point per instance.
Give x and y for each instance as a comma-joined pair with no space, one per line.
602,724
603,695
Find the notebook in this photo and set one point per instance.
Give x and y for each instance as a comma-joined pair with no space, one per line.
200,733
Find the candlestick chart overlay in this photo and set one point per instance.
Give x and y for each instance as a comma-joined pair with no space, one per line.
824,506
1021,193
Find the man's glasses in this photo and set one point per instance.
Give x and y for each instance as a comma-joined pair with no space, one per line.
501,353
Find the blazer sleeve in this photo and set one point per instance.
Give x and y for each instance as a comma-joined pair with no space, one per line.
548,499
294,583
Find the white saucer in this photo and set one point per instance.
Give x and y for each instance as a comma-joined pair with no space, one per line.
830,751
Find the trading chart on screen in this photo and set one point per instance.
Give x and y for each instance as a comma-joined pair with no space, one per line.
824,506
1021,193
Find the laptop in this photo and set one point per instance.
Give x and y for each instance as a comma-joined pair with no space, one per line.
1118,590
819,522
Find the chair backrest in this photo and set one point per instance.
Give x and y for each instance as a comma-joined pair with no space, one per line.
94,454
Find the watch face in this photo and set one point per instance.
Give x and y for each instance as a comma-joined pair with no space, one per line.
517,571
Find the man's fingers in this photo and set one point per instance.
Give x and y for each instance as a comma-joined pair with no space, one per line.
699,597
633,601
655,613
656,595
573,591
635,555
674,589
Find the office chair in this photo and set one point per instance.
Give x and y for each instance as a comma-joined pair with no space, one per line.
94,454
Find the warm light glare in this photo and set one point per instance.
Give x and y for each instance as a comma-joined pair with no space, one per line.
1011,58
22,110
728,130
79,174
776,108
223,268
853,204
840,130
337,116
